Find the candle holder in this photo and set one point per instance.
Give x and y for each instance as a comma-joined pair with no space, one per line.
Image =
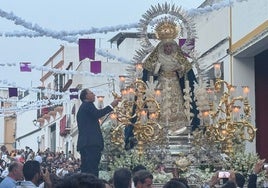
228,119
139,110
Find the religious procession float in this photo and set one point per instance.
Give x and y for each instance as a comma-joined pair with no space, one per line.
172,118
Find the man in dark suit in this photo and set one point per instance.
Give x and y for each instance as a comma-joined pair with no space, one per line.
90,140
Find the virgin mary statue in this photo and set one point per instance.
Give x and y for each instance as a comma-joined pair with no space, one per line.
168,65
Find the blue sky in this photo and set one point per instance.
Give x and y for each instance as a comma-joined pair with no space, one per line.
62,16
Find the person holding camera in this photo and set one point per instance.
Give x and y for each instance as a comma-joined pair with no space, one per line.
226,179
237,178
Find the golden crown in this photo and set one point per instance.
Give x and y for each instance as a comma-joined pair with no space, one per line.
166,30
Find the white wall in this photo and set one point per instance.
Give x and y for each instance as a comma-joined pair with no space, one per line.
244,76
25,125
71,54
25,119
2,130
247,16
211,28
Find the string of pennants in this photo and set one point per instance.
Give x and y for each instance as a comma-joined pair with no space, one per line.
86,50
73,92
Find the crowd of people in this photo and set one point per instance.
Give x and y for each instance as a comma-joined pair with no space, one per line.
25,168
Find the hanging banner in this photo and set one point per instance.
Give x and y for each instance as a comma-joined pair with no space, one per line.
13,92
95,67
86,49
187,48
25,67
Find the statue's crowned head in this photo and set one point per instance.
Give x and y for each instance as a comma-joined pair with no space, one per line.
166,29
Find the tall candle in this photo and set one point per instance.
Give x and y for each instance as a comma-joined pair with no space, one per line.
113,117
236,110
122,82
245,90
139,70
143,117
158,95
152,116
217,70
233,91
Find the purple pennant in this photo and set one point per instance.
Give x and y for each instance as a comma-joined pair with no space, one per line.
182,42
25,67
95,67
190,45
13,92
86,49
73,96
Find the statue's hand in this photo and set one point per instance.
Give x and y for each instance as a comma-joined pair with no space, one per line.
179,67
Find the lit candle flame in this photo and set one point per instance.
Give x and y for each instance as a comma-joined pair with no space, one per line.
245,89
113,116
217,70
153,116
139,66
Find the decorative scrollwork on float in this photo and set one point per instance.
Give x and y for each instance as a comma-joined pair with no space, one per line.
223,122
139,110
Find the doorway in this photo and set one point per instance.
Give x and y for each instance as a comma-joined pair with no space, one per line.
261,95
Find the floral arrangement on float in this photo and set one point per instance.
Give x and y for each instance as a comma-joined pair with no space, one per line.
243,163
116,156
